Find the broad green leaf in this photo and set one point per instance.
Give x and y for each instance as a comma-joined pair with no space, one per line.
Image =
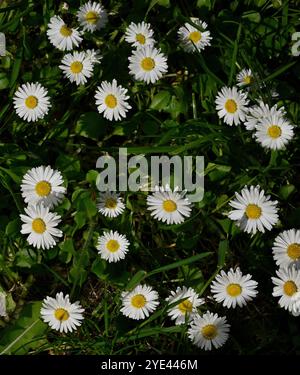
25,333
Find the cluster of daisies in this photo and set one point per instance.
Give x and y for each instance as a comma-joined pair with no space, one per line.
253,211
146,63
206,330
42,189
272,130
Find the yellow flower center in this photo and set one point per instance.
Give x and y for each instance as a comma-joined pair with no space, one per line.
290,288
112,246
61,314
31,102
230,106
110,203
138,301
111,101
43,188
65,31
91,17
38,225
209,331
248,79
274,131
148,64
293,251
234,290
169,205
195,36
76,67
140,38
253,211
185,306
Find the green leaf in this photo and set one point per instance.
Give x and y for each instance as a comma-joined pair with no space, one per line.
4,82
13,228
26,333
286,191
161,100
67,250
137,278
98,268
222,251
204,3
252,16
180,263
91,125
26,258
16,67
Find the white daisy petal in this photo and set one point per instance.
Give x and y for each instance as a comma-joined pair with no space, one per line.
245,78
2,304
169,206
40,225
112,246
186,310
110,204
209,330
139,35
111,100
61,314
62,36
77,67
43,185
31,101
92,16
233,288
253,211
147,64
191,38
260,112
287,284
140,302
274,132
231,105
286,248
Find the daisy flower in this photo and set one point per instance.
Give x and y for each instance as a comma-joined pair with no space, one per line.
41,225
169,206
61,314
253,210
31,101
112,246
140,302
94,56
110,204
77,67
2,304
274,132
208,331
231,105
260,112
296,304
43,185
111,100
286,285
92,16
139,35
191,38
61,36
286,248
245,78
186,309
147,64
233,288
